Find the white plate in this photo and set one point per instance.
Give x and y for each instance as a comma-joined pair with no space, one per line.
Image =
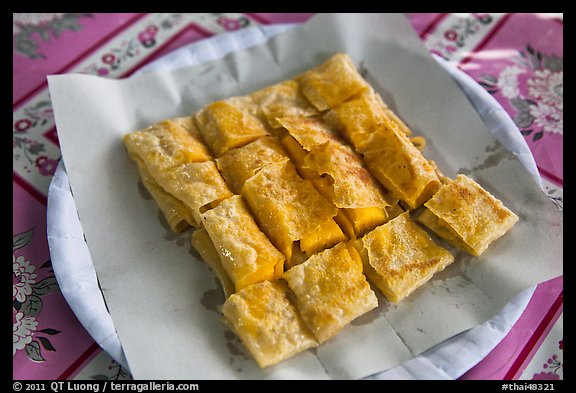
78,282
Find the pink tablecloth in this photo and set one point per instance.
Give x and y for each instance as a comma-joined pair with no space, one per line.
517,57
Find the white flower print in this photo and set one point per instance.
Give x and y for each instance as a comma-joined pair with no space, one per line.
548,117
22,331
22,279
508,81
534,89
548,87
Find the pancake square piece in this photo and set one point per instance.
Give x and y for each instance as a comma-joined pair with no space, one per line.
198,185
267,322
399,257
357,118
331,290
466,215
290,210
175,212
332,82
246,254
239,165
229,124
157,150
400,166
166,144
282,99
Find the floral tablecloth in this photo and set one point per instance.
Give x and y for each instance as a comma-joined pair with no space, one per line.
518,58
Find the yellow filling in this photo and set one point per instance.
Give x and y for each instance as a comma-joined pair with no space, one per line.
366,218
353,222
325,236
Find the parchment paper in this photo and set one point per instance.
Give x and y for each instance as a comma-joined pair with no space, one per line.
164,301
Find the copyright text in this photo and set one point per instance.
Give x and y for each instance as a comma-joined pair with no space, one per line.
102,386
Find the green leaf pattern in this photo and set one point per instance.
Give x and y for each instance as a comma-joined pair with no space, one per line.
33,351
21,239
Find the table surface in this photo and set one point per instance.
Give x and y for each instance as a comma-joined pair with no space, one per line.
518,58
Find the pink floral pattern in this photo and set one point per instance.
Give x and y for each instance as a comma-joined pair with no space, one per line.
22,330
26,147
548,87
546,376
22,125
22,279
148,37
132,47
553,366
115,372
46,166
232,24
27,293
29,149
534,88
455,36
